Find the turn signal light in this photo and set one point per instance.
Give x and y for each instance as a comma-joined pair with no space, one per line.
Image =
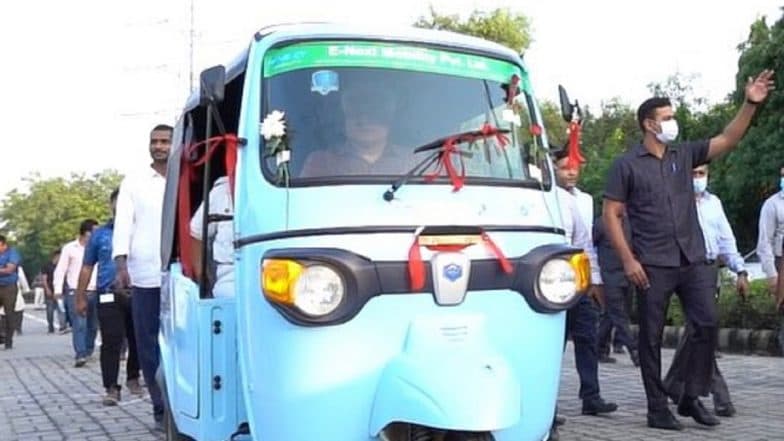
278,279
582,270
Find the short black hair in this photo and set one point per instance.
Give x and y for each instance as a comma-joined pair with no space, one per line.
648,108
165,127
113,196
2,239
559,153
87,225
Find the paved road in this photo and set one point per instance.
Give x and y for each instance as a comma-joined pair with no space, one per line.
43,397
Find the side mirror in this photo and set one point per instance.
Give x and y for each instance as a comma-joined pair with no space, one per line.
212,85
567,109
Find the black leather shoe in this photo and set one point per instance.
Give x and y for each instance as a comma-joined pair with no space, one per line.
560,420
724,410
635,356
663,419
598,406
693,407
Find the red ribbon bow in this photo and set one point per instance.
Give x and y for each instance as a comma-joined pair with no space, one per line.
416,267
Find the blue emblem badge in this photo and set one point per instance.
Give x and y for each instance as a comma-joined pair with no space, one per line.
324,81
453,272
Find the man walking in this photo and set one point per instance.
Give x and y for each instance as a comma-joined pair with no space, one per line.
651,183
136,252
582,318
770,241
84,328
9,262
51,302
114,311
616,290
720,245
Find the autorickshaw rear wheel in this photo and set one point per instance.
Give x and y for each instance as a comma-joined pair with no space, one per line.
170,427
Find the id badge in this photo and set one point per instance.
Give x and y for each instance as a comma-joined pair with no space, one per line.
106,298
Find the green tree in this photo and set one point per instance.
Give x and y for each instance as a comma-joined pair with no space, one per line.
47,214
500,25
604,137
748,175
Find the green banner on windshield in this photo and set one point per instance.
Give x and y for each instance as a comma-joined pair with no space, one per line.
390,56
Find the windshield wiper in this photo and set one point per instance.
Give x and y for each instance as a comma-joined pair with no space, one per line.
468,135
415,170
440,144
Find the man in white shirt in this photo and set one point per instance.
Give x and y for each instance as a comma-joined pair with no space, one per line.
770,238
582,318
220,233
720,245
137,253
84,328
770,242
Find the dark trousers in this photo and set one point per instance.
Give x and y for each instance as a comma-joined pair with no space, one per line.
695,285
718,388
615,316
146,311
114,317
8,302
581,322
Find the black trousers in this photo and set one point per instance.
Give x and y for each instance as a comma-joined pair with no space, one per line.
695,285
615,316
719,389
116,322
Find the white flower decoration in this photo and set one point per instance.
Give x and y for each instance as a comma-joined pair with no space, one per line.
273,126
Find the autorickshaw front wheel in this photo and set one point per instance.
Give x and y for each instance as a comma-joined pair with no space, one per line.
469,436
413,432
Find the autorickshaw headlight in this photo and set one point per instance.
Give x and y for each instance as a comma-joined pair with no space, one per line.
561,279
319,290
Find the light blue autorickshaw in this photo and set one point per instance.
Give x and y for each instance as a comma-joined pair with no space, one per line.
400,265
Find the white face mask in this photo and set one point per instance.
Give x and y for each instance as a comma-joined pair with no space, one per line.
669,131
700,184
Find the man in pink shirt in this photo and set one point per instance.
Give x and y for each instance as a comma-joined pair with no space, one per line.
68,267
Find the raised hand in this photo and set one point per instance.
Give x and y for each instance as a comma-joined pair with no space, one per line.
757,89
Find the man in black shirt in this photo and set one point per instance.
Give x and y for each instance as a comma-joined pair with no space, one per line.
51,301
651,183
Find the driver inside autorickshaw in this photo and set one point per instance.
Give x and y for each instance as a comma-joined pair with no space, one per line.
369,111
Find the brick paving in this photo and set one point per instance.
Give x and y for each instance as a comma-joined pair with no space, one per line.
756,386
44,398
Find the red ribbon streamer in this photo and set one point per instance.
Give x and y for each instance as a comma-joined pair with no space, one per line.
575,157
445,163
449,149
188,176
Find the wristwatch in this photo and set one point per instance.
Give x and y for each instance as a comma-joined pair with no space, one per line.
743,273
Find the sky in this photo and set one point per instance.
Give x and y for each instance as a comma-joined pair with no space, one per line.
85,80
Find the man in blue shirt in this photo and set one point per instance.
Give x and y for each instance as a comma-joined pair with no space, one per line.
114,311
9,262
